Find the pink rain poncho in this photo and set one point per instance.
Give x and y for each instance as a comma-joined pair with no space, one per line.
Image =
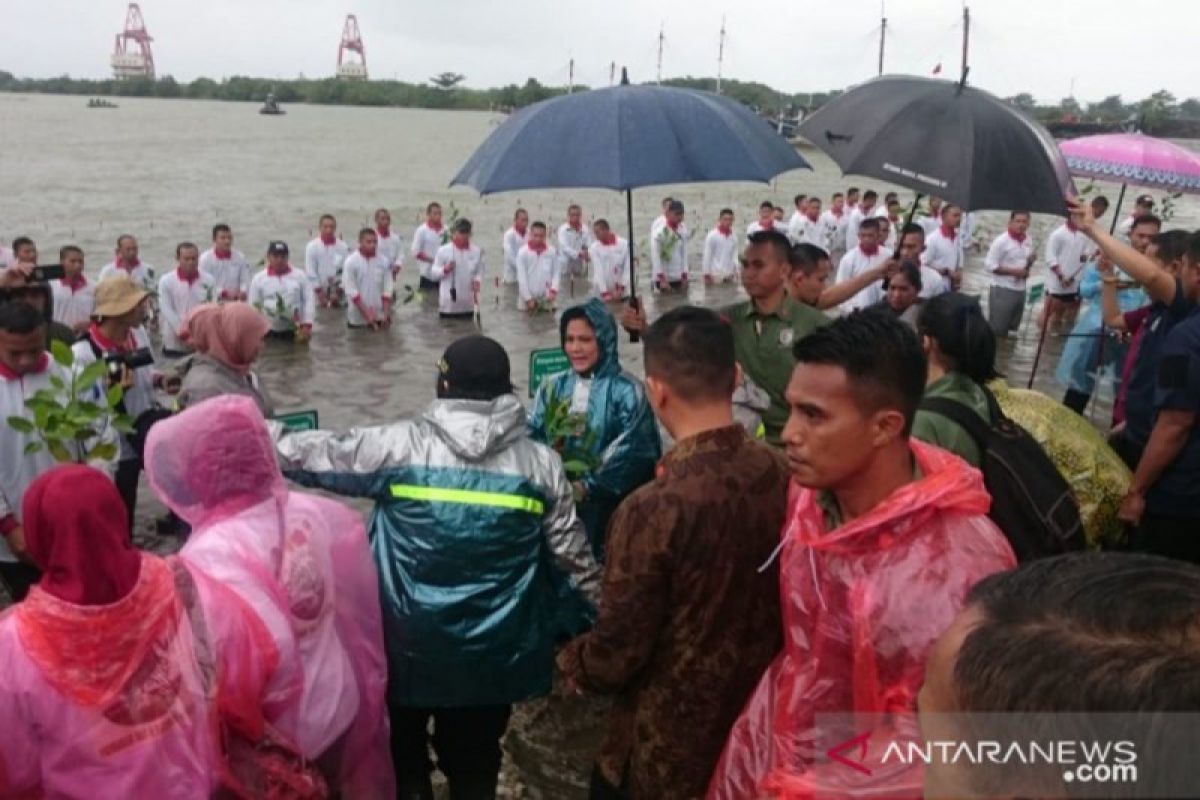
303,564
862,605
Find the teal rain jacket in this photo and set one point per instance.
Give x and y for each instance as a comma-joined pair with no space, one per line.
474,532
626,442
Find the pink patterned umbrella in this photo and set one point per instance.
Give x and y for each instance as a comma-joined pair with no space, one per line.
1134,158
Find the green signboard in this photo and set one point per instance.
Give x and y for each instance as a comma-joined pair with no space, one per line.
543,363
1035,292
298,421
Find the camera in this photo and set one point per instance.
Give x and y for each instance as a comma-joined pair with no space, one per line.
47,273
119,362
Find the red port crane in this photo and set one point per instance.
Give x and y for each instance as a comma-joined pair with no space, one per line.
128,61
351,42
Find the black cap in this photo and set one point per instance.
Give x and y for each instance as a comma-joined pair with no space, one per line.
476,366
1144,200
277,248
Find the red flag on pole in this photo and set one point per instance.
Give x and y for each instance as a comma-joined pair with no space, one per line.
938,69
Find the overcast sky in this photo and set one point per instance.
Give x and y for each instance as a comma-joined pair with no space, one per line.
1041,46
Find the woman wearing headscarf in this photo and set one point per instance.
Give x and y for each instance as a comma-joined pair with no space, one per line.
302,563
119,664
228,339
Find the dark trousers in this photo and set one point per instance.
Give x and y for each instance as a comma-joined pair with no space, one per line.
427,285
1129,451
18,577
1170,536
465,740
1076,401
126,479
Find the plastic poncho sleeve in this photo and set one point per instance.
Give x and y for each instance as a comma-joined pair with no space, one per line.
344,463
537,413
637,593
20,758
1090,286
567,539
629,460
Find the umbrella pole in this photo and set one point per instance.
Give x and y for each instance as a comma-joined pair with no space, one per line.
633,301
1117,213
1037,357
912,210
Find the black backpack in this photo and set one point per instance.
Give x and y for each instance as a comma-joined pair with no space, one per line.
1032,503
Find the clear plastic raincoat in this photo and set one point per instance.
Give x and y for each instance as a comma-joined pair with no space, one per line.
862,605
303,564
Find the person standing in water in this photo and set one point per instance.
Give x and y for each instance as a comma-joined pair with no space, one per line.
390,244
514,239
458,269
427,238
228,267
367,276
324,258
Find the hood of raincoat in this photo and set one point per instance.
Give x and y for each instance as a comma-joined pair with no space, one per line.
474,429
214,460
596,313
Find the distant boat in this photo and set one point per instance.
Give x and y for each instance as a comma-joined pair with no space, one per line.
98,103
271,106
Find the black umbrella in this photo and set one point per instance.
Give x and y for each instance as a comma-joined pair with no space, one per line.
945,139
625,137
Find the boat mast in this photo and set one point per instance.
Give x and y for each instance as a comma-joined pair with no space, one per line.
571,76
612,73
661,38
966,39
720,54
882,34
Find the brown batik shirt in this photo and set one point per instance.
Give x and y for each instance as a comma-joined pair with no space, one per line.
687,623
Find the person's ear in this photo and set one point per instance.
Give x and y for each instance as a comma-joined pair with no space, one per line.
739,377
927,345
886,426
656,392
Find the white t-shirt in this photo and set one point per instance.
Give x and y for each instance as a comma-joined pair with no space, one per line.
1008,252
537,274
1070,251
835,229
287,300
720,254
944,254
323,263
855,263
176,299
514,240
668,253
464,279
757,227
571,244
232,275
610,267
854,219
370,280
426,242
391,247
142,274
73,305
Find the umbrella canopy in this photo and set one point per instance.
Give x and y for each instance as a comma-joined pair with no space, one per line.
626,137
1134,158
946,139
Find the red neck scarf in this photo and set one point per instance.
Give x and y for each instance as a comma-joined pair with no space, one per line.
893,219
384,231
673,225
188,279
75,283
107,344
279,273
328,241
577,228
812,215
9,375
1019,238
137,262
725,230
75,530
365,253
949,233
1071,226
521,231
869,253
538,248
460,243
435,228
223,255
609,239
837,212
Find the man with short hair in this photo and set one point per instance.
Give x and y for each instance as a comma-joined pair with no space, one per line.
74,295
883,539
668,251
933,220
862,211
458,268
324,260
473,533
368,278
1067,252
689,617
800,202
427,238
834,223
911,248
661,219
944,249
720,262
229,267
609,255
515,238
538,270
127,262
1009,259
284,296
808,228
389,244
865,258
766,220
573,242
1142,206
852,198
811,268
179,291
24,252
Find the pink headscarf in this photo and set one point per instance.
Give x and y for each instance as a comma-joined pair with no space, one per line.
230,333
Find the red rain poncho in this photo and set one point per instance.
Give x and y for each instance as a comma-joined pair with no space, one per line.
106,691
303,564
862,605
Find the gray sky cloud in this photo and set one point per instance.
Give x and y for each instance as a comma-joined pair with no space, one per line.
1041,46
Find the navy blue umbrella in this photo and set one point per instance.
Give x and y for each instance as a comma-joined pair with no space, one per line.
626,137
